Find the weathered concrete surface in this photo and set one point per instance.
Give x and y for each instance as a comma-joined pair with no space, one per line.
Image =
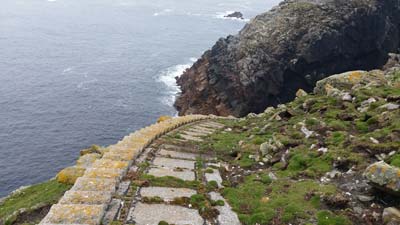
191,138
173,163
75,214
166,193
215,176
94,184
226,215
112,212
163,172
179,155
152,214
86,197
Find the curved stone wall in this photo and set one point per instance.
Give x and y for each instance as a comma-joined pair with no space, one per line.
88,199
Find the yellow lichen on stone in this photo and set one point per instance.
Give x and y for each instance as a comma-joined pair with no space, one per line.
69,175
86,197
75,214
110,164
355,76
163,118
104,173
301,93
93,184
87,160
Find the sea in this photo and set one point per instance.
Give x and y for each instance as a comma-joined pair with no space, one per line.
79,72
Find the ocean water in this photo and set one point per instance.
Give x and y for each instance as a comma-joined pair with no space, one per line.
75,73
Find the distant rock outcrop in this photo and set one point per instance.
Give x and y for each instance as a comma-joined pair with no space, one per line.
293,46
237,15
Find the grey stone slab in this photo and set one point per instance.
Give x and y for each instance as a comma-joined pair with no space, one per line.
175,148
143,155
166,193
210,126
194,134
152,214
173,163
75,214
215,176
123,188
200,131
85,197
163,172
94,184
213,124
112,212
175,154
191,138
226,215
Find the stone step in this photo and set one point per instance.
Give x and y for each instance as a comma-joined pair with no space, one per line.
175,154
191,138
166,193
85,197
200,131
152,214
226,215
174,163
110,164
94,184
163,172
211,125
75,214
173,147
214,124
116,174
194,134
214,176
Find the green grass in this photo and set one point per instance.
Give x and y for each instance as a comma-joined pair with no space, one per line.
327,218
285,196
169,181
46,193
395,160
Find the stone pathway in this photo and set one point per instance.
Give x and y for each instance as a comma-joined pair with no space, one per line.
148,177
177,156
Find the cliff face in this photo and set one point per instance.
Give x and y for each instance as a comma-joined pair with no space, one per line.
292,46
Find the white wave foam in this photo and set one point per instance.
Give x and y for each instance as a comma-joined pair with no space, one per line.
66,70
222,15
168,77
163,12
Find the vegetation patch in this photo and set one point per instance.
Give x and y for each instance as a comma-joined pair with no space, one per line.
258,202
31,199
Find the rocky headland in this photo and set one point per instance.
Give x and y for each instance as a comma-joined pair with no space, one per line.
292,46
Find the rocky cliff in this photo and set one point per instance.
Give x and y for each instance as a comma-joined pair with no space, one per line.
292,46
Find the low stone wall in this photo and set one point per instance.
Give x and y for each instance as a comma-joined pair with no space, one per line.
88,199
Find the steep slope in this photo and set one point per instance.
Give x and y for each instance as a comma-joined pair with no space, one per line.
294,45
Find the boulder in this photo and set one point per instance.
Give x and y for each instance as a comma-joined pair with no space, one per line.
93,149
301,93
293,46
271,146
70,174
391,216
163,118
384,176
